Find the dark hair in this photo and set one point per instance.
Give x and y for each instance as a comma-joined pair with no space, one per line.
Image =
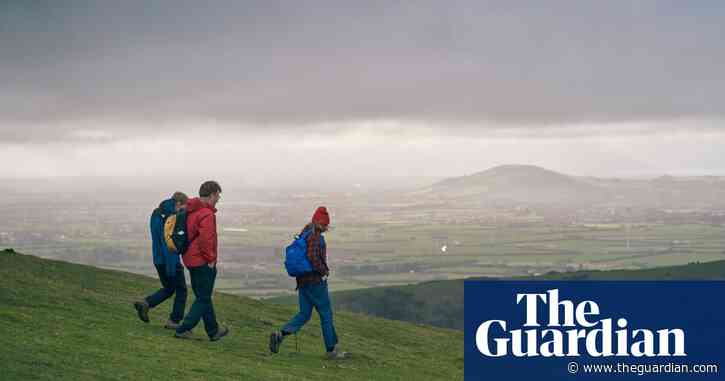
208,188
311,225
180,197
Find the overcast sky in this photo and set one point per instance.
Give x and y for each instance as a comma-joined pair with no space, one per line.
272,91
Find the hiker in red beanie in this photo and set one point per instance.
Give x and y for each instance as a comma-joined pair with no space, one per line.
312,289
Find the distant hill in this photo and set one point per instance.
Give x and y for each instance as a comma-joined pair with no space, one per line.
440,303
63,321
509,175
529,184
519,183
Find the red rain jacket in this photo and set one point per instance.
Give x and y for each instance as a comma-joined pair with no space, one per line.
201,227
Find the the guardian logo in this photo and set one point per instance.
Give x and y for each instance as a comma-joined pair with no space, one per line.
572,330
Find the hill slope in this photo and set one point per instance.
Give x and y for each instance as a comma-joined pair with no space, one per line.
66,321
440,303
535,185
519,183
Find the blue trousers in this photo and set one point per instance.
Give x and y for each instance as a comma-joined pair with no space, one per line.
317,296
175,285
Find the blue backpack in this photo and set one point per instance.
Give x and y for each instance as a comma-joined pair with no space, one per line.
295,258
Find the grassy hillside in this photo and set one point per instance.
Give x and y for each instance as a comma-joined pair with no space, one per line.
440,303
66,321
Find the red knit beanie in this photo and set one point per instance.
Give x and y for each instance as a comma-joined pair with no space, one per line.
321,216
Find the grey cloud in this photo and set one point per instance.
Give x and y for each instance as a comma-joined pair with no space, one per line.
295,63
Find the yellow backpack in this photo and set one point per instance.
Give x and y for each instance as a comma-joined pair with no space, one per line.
175,233
169,232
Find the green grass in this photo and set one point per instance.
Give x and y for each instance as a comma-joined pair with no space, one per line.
714,270
64,321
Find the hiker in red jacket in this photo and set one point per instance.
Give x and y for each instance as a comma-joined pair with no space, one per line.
201,258
312,289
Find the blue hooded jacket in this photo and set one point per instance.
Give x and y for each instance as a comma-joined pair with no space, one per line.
162,256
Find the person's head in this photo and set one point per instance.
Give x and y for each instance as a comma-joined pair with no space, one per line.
180,199
321,219
210,192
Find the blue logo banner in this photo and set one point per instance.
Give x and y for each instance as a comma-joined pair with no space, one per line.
559,330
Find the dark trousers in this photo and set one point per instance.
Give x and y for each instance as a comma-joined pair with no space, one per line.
202,283
171,285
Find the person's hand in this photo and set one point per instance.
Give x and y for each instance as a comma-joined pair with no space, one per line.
211,264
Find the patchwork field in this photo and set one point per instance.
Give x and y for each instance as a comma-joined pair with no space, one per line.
394,254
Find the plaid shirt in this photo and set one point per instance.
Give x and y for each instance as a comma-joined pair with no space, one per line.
317,254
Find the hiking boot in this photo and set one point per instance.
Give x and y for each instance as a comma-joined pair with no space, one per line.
336,354
221,332
172,325
142,308
183,335
275,340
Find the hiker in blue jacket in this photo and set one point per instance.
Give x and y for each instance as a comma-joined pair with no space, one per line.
168,266
312,289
